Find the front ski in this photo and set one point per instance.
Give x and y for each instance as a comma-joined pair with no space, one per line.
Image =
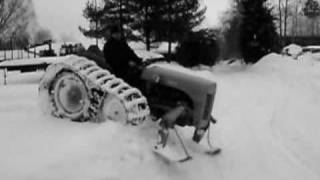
213,152
169,157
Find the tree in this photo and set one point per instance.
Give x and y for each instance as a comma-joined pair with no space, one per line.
15,14
312,11
17,20
283,16
179,16
298,24
280,19
166,20
147,19
150,20
106,14
200,47
257,29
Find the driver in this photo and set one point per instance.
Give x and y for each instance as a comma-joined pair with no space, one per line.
120,56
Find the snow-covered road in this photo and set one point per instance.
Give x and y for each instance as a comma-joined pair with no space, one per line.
268,121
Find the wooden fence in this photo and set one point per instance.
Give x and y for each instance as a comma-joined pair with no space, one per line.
16,54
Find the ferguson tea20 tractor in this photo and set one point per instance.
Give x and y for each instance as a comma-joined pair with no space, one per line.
78,89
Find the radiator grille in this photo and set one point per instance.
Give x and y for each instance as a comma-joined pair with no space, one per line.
208,106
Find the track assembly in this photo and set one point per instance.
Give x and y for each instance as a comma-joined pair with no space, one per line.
80,90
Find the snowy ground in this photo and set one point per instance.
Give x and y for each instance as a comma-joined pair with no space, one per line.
268,121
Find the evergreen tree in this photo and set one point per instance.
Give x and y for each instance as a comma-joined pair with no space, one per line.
177,18
93,13
147,19
165,20
257,29
107,14
200,47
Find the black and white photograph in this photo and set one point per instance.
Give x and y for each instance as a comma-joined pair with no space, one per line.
159,89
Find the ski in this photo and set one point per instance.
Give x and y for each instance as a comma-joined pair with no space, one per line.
213,152
169,157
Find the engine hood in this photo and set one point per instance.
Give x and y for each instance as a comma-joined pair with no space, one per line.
178,77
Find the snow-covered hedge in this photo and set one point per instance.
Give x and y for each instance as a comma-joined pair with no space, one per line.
292,50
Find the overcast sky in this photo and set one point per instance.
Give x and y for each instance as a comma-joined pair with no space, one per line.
63,17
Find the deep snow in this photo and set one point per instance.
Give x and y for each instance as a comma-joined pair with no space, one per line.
268,121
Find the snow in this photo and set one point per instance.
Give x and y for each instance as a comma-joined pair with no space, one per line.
292,50
21,62
145,55
34,61
160,48
268,121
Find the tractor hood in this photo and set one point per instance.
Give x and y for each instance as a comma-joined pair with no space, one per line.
178,77
200,90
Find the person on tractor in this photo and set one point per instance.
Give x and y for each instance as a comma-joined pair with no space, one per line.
121,58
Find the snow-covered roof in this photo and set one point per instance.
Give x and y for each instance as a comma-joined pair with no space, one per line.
32,61
21,62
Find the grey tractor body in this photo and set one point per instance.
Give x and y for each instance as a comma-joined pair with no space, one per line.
168,85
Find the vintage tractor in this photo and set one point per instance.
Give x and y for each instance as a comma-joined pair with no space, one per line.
80,90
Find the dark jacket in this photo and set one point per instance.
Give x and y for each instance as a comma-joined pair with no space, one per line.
118,54
95,54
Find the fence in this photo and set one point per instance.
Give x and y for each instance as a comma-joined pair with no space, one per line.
303,40
16,54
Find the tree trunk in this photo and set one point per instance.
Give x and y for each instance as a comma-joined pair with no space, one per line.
285,19
169,32
11,48
121,19
148,42
280,21
147,29
169,49
96,21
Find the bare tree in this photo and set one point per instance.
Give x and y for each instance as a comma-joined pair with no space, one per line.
283,15
296,15
14,16
285,18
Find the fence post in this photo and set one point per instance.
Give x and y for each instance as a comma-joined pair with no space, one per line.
5,54
5,76
12,47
